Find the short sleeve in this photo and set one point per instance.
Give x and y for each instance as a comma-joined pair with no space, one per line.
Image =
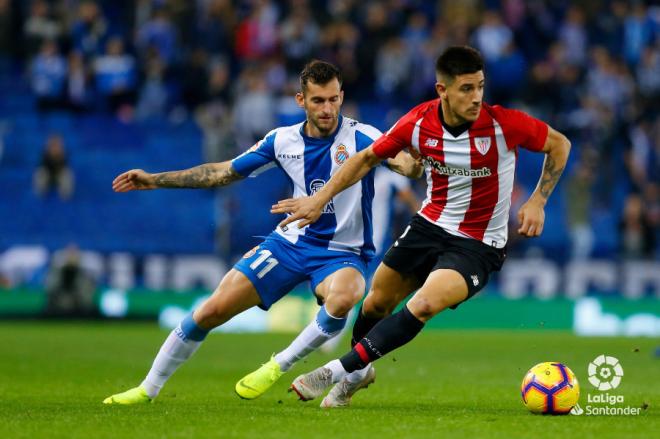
258,158
396,139
521,129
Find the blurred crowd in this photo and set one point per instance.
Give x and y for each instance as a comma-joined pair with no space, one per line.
589,68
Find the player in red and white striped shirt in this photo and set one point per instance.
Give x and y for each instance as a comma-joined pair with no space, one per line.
458,237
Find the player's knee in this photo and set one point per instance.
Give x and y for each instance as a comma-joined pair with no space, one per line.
375,307
211,314
424,309
339,303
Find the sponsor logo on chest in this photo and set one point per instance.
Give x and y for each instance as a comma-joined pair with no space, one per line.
315,186
439,168
282,156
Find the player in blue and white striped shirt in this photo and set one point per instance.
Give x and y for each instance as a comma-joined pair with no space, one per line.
332,254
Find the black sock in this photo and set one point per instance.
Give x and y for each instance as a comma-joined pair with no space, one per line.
362,326
392,332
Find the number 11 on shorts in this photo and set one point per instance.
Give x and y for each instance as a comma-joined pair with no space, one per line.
264,256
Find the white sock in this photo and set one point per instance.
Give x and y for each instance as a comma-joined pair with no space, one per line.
358,375
172,354
338,371
311,338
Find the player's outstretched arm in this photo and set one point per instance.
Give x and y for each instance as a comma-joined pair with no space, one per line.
204,176
406,165
531,215
308,209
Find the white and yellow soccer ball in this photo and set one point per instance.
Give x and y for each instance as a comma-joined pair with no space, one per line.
550,388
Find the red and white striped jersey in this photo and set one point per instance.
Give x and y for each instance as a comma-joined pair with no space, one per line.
469,177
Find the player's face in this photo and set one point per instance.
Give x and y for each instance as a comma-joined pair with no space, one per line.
322,104
462,97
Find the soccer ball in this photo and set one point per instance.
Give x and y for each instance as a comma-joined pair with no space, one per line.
550,388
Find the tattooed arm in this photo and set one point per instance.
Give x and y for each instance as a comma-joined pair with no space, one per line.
204,176
531,215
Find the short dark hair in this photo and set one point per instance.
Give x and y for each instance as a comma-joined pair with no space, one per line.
459,60
319,72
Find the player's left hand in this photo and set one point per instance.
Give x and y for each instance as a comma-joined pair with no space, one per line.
531,218
305,209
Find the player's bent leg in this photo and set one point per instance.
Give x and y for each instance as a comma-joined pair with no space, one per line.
442,289
340,291
234,295
388,288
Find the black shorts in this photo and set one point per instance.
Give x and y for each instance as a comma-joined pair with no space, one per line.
425,247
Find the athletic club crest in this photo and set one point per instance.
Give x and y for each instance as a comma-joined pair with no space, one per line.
341,155
482,144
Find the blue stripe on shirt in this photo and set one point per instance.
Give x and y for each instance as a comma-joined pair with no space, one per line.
362,141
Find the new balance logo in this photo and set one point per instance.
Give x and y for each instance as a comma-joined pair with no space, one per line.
431,143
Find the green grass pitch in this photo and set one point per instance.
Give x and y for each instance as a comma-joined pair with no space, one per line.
455,384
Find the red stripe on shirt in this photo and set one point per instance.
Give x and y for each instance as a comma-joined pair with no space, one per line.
440,183
485,190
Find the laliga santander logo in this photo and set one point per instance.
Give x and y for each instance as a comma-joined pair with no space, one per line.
605,373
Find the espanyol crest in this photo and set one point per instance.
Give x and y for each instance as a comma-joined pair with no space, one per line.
341,155
482,144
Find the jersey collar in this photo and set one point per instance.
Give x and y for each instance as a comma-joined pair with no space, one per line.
323,140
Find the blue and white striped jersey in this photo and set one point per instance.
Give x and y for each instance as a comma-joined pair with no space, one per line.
346,223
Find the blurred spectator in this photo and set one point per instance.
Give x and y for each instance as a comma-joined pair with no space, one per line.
153,99
393,67
69,289
637,32
89,30
299,34
607,82
39,27
376,32
214,117
636,232
254,110
158,34
256,35
48,76
578,193
641,158
492,37
648,75
608,30
573,34
506,74
217,25
116,75
78,92
195,79
53,173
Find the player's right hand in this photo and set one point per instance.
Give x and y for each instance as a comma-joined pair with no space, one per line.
305,209
133,180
